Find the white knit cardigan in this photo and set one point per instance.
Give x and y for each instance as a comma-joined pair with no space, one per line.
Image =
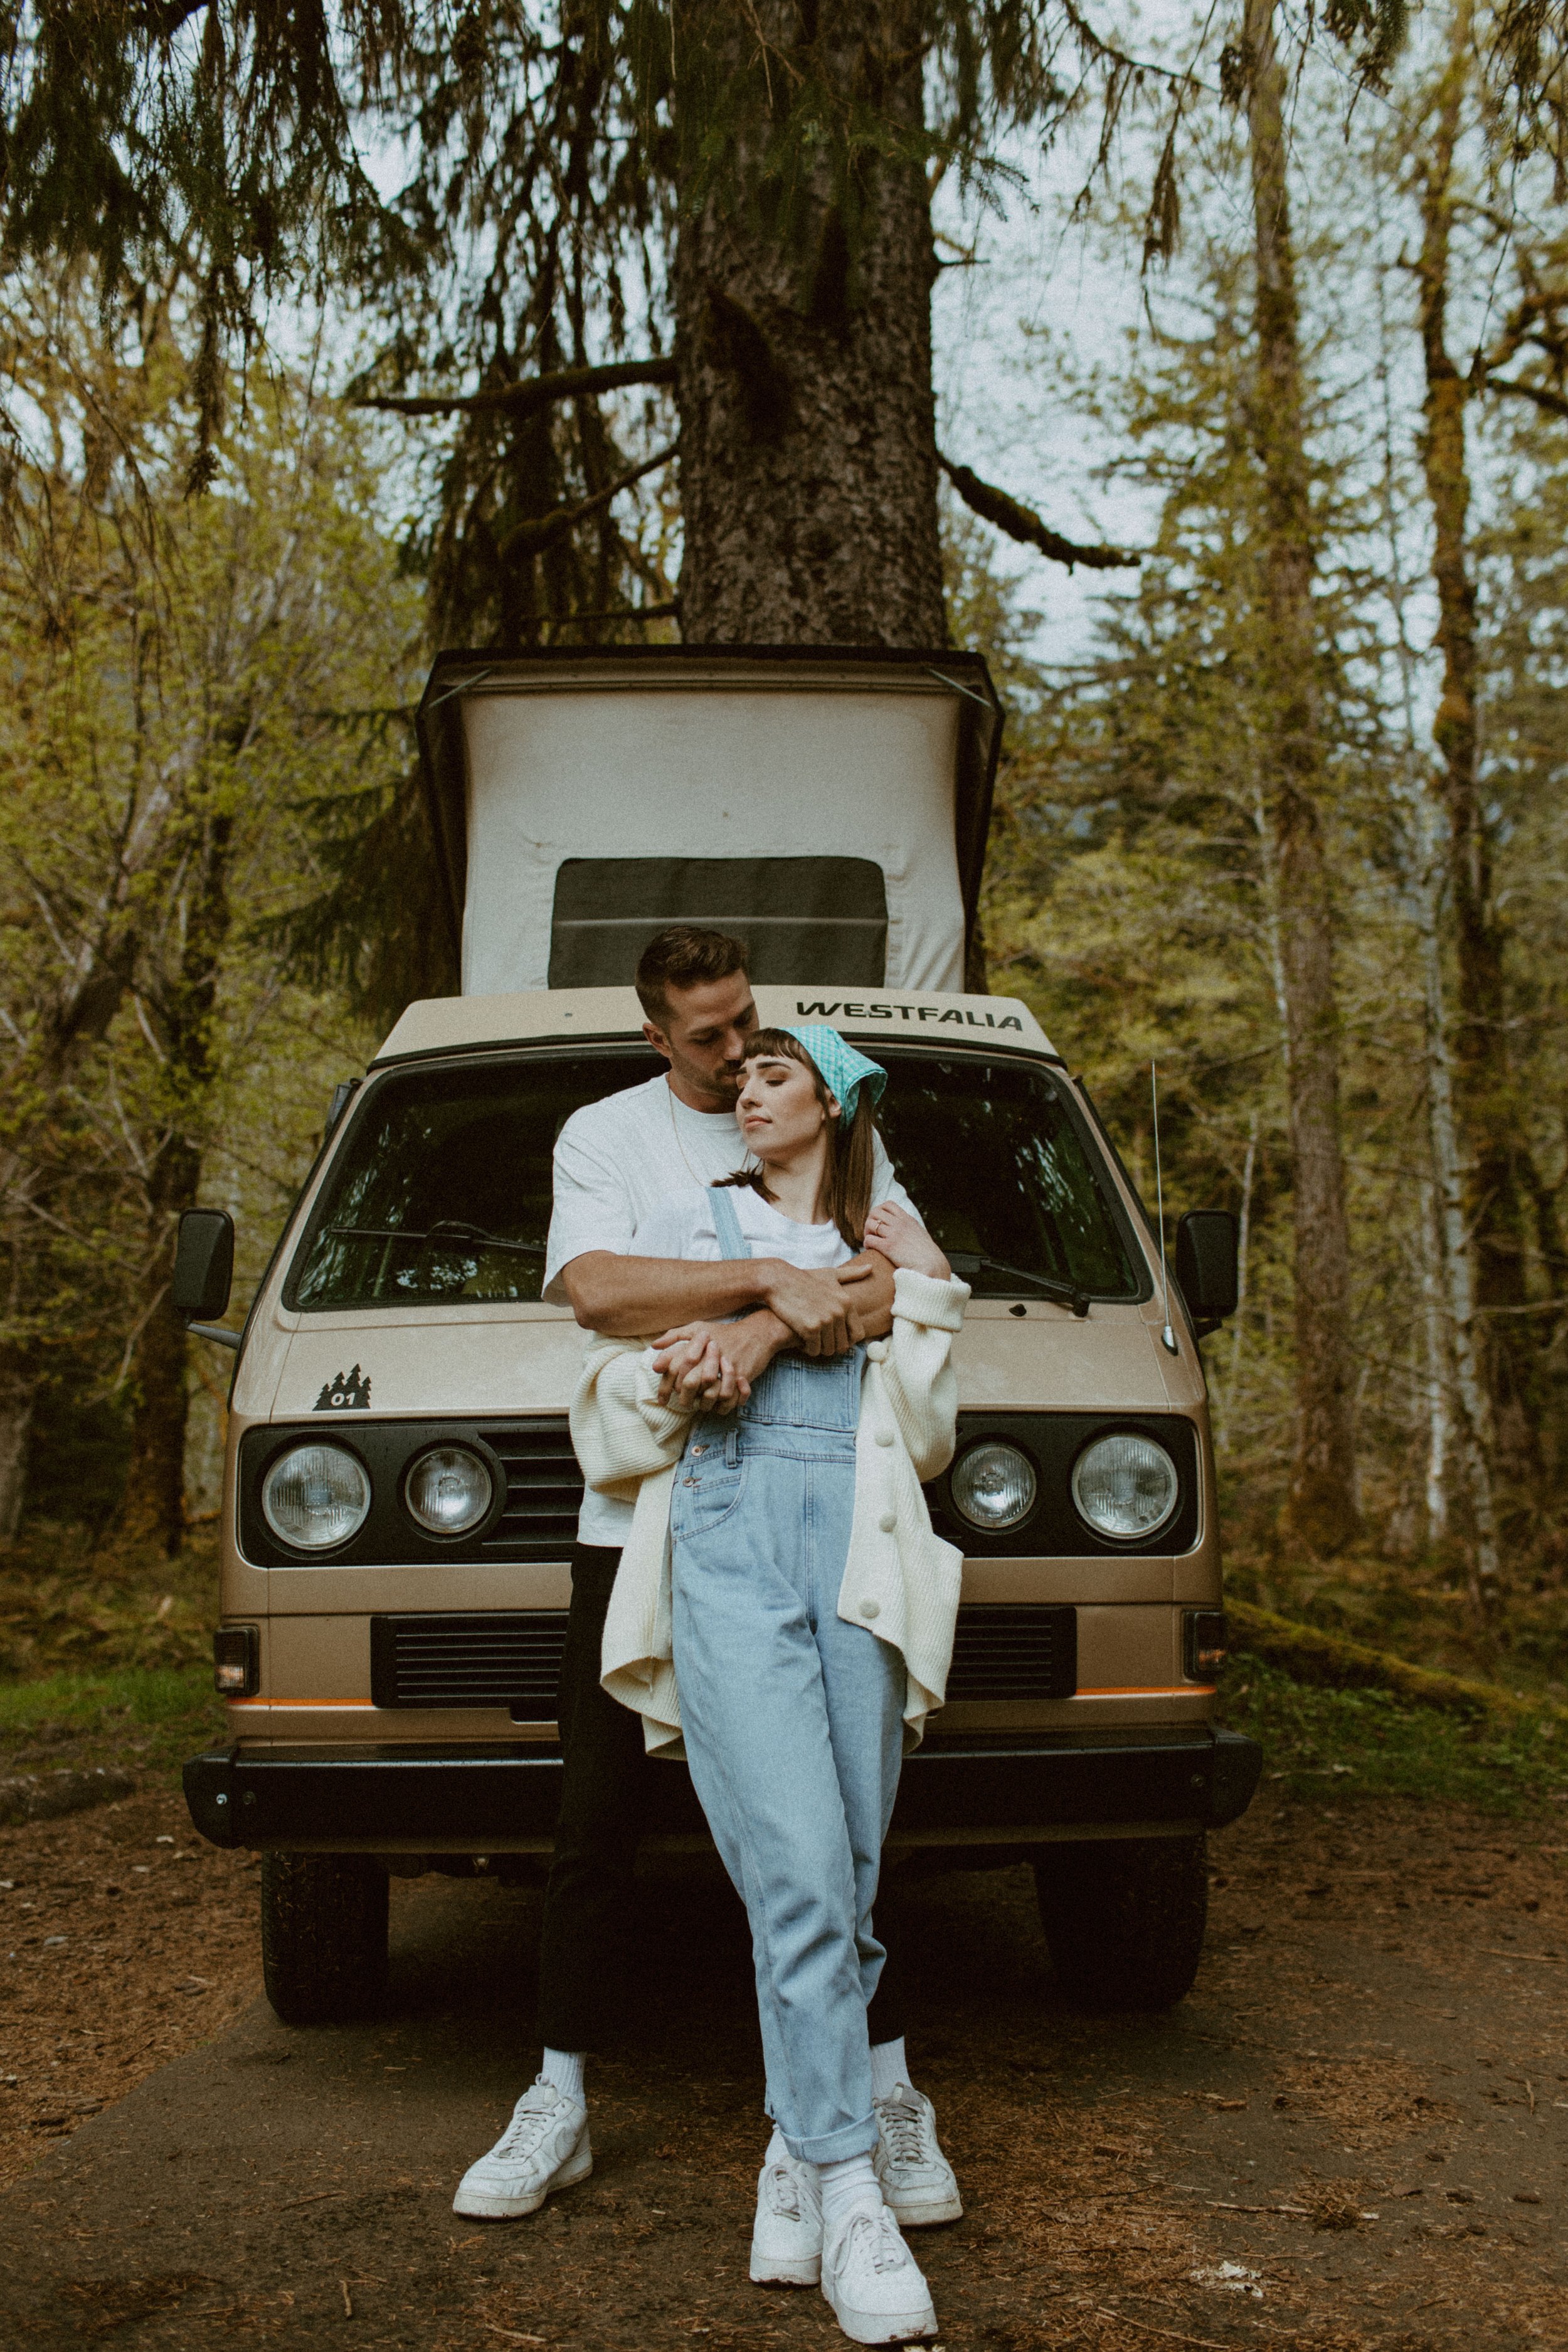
900,1581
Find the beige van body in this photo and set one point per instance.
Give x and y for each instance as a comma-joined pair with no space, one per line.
389,1696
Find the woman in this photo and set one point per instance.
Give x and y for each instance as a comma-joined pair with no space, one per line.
784,1603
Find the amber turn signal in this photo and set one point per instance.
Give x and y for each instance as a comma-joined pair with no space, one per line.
237,1661
1205,1643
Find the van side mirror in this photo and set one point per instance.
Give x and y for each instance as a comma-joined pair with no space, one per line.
203,1265
1207,1270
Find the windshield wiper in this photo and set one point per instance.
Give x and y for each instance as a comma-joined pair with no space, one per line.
968,1262
447,1229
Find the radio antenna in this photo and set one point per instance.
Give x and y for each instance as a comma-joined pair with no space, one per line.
1167,1335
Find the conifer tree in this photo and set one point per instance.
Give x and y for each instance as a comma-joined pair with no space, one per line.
586,176
1322,1505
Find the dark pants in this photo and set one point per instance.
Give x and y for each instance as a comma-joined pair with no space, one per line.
585,1945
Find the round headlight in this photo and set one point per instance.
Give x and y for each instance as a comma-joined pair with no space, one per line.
315,1497
994,1487
1125,1486
449,1491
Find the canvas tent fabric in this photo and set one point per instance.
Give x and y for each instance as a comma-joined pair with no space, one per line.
822,803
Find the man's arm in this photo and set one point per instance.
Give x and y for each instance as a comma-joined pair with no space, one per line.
700,1361
624,1297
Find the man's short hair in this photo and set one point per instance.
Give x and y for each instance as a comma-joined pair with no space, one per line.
683,957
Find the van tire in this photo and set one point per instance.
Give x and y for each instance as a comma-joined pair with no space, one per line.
1124,1918
323,1936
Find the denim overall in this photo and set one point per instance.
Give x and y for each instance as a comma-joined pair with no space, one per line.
793,1721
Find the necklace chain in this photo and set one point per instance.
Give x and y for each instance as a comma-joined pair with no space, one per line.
702,1182
674,1130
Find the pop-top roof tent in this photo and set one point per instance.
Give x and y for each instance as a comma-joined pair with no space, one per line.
829,808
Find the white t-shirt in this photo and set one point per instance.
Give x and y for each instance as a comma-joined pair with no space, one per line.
617,1162
687,1227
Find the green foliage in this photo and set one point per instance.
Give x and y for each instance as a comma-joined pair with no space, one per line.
1311,1654
219,139
125,134
1334,1745
550,151
377,933
151,1718
1413,1601
106,1651
181,675
72,1597
1373,31
1130,895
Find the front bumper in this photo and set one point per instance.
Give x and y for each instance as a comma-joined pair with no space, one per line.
1022,1790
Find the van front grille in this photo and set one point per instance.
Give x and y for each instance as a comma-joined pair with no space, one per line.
509,1658
1007,1652
543,1489
512,1658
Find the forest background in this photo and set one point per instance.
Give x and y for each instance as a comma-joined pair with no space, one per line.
226,561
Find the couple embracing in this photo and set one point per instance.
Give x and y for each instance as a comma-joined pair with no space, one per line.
756,1582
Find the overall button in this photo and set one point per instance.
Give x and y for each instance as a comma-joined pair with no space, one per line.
870,1609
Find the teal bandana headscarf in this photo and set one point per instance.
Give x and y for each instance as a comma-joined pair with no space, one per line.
841,1066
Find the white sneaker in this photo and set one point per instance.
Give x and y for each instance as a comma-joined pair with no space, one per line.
786,2236
872,2281
917,2180
544,2148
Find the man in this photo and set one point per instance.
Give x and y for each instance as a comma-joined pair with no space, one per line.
615,1161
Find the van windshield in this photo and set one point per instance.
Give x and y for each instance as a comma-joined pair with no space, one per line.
1001,1169
440,1192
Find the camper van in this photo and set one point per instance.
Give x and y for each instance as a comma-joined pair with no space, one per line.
401,1495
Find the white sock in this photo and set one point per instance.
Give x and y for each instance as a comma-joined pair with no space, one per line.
851,2182
777,2153
563,2068
889,2067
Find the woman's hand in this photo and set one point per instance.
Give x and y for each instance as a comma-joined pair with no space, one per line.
904,1241
696,1374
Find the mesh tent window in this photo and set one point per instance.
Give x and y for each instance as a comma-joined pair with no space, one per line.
817,919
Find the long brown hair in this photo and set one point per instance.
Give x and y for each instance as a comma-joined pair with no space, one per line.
852,1151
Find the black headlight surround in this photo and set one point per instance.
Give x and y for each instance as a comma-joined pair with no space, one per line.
1053,1530
537,1490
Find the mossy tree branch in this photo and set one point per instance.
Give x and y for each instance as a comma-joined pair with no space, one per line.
536,532
1020,522
517,401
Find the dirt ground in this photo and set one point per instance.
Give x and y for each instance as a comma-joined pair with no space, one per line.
124,1939
1352,2135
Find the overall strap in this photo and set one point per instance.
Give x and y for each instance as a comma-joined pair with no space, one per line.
732,1243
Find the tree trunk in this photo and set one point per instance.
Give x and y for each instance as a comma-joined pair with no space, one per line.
808,472
19,1388
1225,1420
1321,1511
1433,1304
154,1507
1457,1252
1497,1183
